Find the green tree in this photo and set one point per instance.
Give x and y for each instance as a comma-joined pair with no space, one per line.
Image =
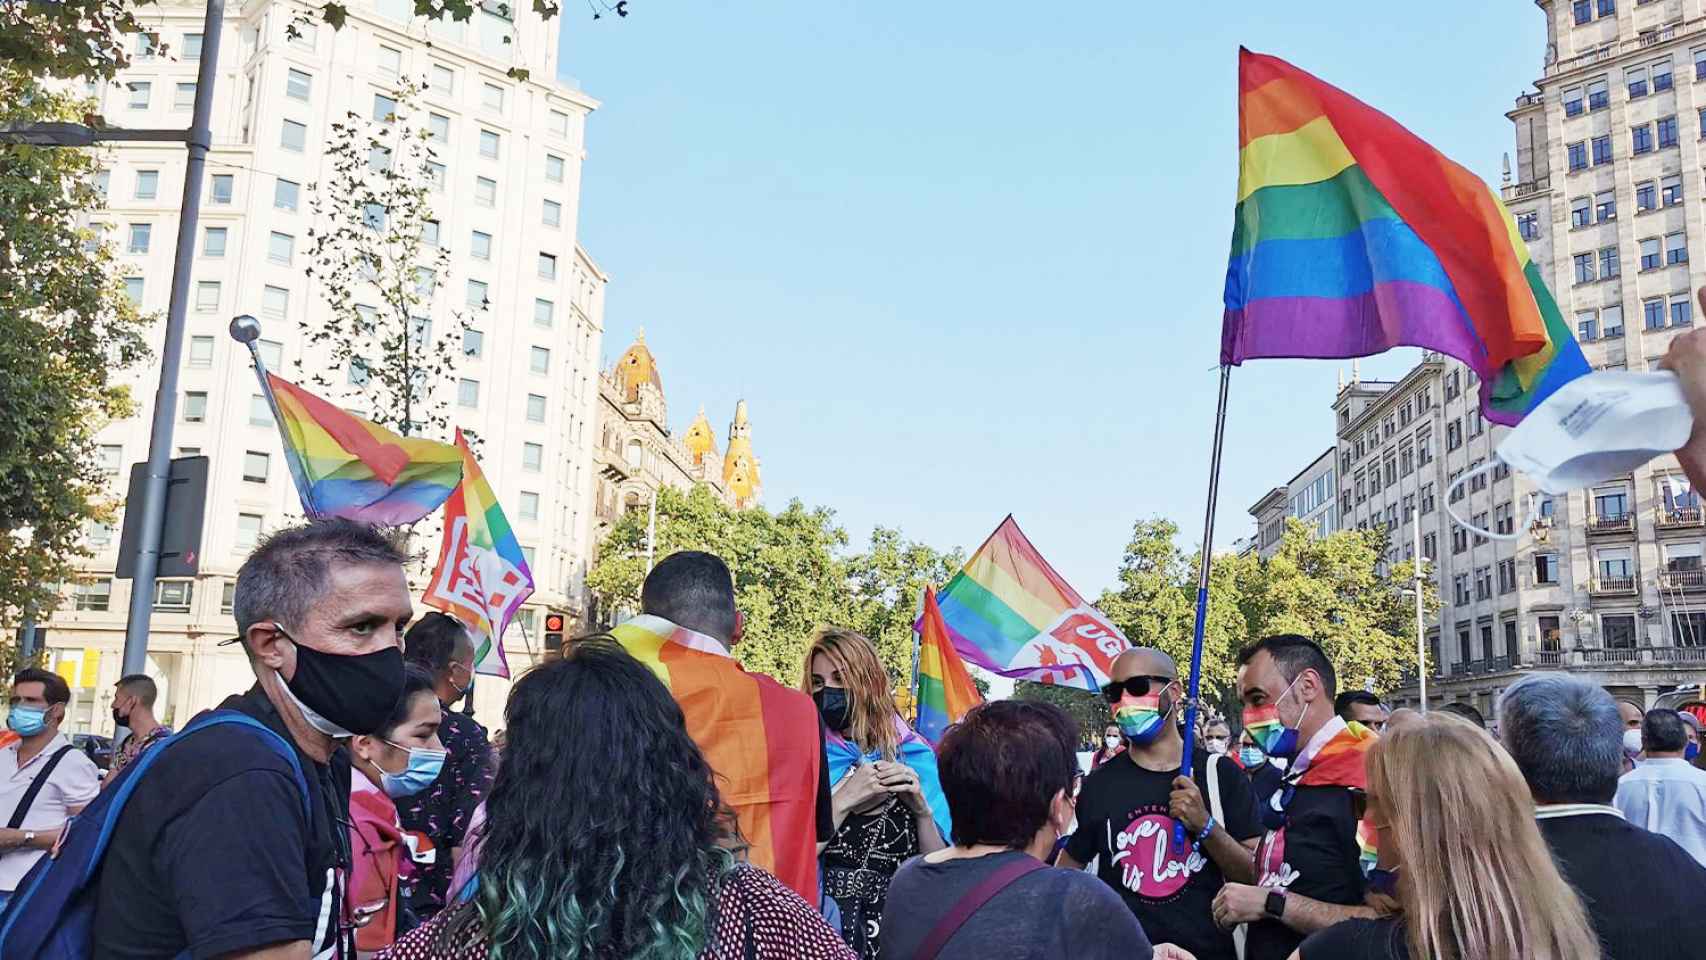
1086,709
67,329
887,582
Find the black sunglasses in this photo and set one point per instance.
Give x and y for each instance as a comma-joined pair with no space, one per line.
1136,686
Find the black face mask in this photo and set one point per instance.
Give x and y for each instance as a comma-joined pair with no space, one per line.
120,721
354,692
832,705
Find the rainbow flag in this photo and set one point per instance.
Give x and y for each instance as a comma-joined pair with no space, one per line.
482,577
763,741
1353,236
945,689
345,466
1008,612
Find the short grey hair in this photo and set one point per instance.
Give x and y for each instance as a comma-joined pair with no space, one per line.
286,573
1565,735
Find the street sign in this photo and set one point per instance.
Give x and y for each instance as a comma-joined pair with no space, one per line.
180,540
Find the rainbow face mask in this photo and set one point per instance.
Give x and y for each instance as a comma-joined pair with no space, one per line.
1270,733
1140,718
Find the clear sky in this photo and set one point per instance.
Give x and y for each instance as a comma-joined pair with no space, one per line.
965,259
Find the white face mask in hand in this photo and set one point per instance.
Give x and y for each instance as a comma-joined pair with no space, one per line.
1598,427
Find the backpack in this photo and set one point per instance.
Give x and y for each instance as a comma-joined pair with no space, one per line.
51,915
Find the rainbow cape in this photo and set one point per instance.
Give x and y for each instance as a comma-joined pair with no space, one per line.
1353,236
1343,762
763,741
482,577
1008,612
345,466
945,689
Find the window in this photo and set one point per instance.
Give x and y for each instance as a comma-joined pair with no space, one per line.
1507,576
1582,10
1605,206
220,189
473,343
1650,259
275,301
207,295
1407,460
281,247
1581,214
528,504
558,122
272,353
390,60
1642,138
248,530
542,312
201,351
1584,267
173,596
1619,631
438,128
1548,508
1391,471
183,97
1615,563
213,242
477,294
1460,593
140,236
488,144
539,360
1504,518
298,84
1681,311
553,168
255,466
92,594
1551,640
1578,155
1661,76
429,232
1427,498
133,290
1459,539
195,406
379,159
547,266
1611,503
359,374
227,596
1572,98
1480,522
1635,79
441,79
1667,131
384,108
535,408
1670,190
436,170
1453,491
480,246
192,47
532,457
1602,150
1528,225
492,97
1424,448
307,34
1599,94
1611,322
1483,583
293,136
1608,264
1430,545
1682,556
485,191
139,94
1453,435
110,456
553,214
1687,629
1676,248
468,392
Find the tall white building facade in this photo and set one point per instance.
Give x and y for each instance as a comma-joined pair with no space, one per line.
511,146
1311,497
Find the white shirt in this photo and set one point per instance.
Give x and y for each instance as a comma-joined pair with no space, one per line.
75,782
1667,796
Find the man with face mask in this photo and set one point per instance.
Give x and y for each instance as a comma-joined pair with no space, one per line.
1665,793
133,708
44,781
1129,806
1312,868
215,855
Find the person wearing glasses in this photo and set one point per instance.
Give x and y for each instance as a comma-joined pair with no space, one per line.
1129,807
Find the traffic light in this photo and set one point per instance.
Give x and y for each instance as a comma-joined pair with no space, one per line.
553,633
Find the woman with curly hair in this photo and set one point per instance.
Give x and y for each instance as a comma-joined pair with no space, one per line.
605,837
887,800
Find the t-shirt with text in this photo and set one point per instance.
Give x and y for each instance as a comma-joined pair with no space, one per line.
1315,854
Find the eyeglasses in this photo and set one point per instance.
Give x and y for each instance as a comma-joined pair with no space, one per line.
1136,686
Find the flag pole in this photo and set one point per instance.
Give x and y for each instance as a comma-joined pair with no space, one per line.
917,643
1203,565
246,330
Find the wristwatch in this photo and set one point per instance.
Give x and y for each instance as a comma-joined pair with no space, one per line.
1276,904
29,837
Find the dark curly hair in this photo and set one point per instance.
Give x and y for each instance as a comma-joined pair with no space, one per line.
605,835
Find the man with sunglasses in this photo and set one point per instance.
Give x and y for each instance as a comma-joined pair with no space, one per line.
1129,806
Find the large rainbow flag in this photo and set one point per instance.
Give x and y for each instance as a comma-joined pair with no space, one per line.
345,466
1008,612
1353,236
945,689
482,577
763,741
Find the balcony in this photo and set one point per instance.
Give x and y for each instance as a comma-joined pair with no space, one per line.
1612,525
1678,654
1613,655
1613,586
1498,664
1677,518
1683,579
1549,658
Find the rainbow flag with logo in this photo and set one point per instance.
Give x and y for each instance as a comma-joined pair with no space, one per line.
345,466
763,741
482,577
945,690
1353,236
1010,613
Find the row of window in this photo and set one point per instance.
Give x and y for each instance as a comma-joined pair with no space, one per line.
1638,82
1584,10
1410,409
1607,322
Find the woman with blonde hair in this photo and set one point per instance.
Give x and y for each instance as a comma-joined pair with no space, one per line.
1475,880
887,799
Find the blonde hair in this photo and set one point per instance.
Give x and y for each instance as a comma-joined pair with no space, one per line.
871,711
1477,880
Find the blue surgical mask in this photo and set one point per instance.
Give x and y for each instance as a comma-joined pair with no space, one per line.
27,721
1690,752
423,769
1251,756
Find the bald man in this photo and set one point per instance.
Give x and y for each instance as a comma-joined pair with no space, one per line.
1128,806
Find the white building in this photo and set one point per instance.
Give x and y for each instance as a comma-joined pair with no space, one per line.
1310,497
511,150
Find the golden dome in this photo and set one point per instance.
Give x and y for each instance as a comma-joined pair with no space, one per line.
637,367
701,441
740,467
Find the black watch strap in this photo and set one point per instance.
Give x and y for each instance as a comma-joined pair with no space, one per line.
1276,904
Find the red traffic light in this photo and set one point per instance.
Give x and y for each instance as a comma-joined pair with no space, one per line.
553,623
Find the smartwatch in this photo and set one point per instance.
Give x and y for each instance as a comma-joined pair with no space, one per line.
1276,904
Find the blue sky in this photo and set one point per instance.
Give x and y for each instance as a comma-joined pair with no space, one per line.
966,259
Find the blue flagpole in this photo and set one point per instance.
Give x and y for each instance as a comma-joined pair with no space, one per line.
1192,693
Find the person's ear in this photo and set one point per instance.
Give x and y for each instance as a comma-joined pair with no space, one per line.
740,628
270,647
362,747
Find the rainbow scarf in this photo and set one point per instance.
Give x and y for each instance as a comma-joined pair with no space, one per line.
945,690
482,577
1353,236
760,738
914,751
345,466
1010,613
1342,761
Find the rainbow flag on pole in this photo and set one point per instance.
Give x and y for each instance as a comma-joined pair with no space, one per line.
1353,236
482,577
945,689
1008,612
345,466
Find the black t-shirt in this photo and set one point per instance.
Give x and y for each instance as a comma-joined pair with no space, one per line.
1123,822
1315,854
1644,894
212,854
1265,781
1382,939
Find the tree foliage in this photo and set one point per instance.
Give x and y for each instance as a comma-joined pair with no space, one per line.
67,329
1086,709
